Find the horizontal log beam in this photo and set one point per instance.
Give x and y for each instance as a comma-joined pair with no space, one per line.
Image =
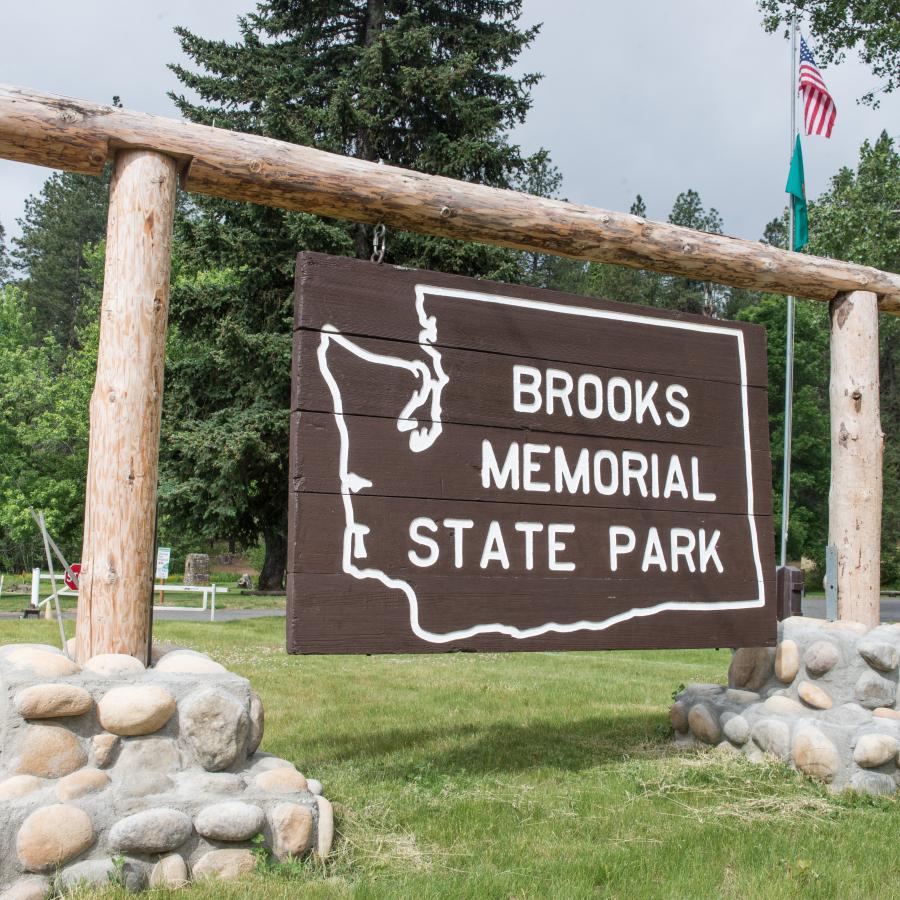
45,129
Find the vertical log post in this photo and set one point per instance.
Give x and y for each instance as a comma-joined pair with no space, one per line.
857,443
117,563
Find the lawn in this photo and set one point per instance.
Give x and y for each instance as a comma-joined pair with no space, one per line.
533,775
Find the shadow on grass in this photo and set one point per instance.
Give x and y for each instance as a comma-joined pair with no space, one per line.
492,748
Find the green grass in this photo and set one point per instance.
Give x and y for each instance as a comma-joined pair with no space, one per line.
533,775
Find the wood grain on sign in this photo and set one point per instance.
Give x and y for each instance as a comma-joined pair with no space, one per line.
485,466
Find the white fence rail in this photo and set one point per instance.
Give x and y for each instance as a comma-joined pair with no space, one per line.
209,592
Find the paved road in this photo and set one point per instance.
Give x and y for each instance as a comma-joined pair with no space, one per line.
890,608
192,615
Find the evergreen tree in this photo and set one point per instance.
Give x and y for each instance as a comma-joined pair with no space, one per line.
4,257
415,83
60,222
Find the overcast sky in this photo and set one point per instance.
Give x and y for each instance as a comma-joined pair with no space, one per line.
650,96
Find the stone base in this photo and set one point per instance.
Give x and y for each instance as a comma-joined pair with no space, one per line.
146,776
823,701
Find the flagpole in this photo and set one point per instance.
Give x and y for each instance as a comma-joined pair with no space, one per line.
789,340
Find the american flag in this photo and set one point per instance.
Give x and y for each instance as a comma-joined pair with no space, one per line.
819,111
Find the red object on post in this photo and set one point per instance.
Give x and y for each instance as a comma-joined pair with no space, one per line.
72,583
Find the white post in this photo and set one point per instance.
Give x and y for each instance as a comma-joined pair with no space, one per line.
212,614
35,587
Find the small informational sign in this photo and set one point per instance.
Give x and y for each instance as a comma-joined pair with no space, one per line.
163,555
72,580
481,466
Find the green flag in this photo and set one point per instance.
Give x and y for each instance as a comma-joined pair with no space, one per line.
796,187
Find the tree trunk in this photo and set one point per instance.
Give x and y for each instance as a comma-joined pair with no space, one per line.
857,445
117,564
271,577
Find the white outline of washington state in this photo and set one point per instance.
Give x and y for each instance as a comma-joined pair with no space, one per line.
421,438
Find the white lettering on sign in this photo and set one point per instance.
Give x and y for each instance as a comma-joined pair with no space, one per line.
531,467
556,392
527,471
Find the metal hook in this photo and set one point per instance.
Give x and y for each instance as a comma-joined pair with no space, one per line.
379,243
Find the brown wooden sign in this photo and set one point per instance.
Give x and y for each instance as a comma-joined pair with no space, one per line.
482,466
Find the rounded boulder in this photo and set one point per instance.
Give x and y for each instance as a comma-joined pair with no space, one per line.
873,750
135,709
292,826
224,864
815,754
156,830
229,821
216,726
787,661
49,751
53,835
821,657
113,664
52,701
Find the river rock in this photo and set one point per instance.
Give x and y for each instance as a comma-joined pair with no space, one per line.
678,717
292,826
224,864
325,830
84,781
188,663
52,701
878,654
113,665
257,723
849,714
216,727
156,830
787,661
19,786
772,736
704,724
41,662
872,690
885,712
53,835
263,762
99,873
873,750
814,754
31,887
229,821
314,786
214,782
148,755
135,709
170,872
781,705
814,695
737,730
821,657
281,781
751,667
876,783
103,749
736,695
49,751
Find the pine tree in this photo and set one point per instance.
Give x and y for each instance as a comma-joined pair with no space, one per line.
4,257
61,221
415,83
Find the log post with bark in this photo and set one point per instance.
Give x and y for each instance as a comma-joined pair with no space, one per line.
857,446
117,564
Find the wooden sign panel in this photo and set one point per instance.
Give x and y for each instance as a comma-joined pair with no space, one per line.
481,466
